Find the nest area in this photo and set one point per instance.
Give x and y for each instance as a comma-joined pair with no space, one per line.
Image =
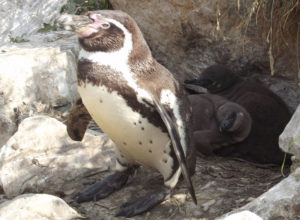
221,185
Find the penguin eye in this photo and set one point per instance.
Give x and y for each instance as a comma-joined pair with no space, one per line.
105,25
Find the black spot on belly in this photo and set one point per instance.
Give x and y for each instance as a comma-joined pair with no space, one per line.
143,128
151,142
124,143
165,151
140,122
100,101
79,102
165,160
140,143
150,151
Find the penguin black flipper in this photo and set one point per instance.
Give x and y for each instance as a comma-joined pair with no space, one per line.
175,138
78,120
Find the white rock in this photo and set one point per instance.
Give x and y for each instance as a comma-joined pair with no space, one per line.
282,201
289,140
42,71
6,127
244,215
40,157
30,73
37,206
26,17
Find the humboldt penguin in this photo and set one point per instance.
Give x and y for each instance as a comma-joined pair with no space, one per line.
217,122
268,112
135,100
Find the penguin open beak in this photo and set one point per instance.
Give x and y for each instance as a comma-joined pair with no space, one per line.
82,25
98,22
73,23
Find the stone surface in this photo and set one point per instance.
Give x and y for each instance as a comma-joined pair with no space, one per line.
6,127
37,206
289,140
287,90
40,157
282,201
35,76
187,36
38,71
243,215
23,18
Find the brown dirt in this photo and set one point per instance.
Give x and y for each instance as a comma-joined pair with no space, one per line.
221,185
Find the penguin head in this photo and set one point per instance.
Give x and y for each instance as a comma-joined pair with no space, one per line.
215,79
107,31
235,119
103,33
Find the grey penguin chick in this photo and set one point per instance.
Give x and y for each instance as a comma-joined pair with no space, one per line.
268,112
217,122
135,101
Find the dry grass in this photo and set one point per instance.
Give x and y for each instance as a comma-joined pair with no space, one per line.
280,20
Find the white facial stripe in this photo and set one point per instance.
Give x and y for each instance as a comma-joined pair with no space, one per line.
118,60
168,98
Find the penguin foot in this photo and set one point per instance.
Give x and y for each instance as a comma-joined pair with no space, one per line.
103,188
143,204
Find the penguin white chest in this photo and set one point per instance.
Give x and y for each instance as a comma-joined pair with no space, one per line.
138,140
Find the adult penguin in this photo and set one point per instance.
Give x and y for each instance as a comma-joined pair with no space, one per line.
136,101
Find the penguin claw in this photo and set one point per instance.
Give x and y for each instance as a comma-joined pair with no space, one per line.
142,204
102,189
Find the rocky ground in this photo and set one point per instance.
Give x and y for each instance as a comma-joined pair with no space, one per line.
221,185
